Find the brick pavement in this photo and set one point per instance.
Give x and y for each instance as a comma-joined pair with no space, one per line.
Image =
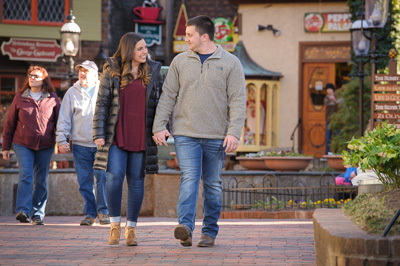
240,242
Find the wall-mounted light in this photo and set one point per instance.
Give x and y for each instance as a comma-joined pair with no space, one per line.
271,28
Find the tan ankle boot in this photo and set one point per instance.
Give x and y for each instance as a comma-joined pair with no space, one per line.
115,235
130,236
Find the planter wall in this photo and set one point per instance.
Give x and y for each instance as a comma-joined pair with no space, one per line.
252,163
335,162
287,164
338,241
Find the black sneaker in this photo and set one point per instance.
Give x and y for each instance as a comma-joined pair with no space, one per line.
22,217
88,221
37,221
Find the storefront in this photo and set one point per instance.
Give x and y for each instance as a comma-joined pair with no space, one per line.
308,42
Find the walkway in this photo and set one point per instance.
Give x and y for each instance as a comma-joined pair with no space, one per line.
240,242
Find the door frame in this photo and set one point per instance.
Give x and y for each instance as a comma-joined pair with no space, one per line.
317,52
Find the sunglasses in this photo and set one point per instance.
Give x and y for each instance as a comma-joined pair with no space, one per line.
34,76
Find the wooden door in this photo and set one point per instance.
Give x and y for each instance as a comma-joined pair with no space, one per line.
315,78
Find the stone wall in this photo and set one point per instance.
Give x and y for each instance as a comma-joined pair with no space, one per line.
161,190
160,199
338,241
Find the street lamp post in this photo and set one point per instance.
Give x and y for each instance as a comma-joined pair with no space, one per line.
376,13
361,48
70,42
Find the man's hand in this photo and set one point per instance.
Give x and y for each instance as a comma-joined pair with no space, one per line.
230,143
64,148
6,155
100,142
160,138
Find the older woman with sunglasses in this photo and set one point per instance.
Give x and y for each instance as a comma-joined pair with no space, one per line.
30,130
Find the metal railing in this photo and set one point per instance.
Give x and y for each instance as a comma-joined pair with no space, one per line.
283,198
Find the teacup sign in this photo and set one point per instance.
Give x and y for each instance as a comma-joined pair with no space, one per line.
147,13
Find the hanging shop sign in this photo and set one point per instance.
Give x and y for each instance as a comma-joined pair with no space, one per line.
150,32
226,32
386,97
327,22
31,50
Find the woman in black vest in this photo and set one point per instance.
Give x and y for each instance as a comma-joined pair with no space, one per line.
129,91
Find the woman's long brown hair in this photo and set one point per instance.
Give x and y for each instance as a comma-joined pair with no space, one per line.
122,60
47,86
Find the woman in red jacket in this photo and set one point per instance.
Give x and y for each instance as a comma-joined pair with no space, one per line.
30,130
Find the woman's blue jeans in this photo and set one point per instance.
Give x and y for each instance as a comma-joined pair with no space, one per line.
200,158
131,164
32,184
94,202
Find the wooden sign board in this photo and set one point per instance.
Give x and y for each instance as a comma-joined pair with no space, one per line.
395,125
389,97
386,87
386,107
382,77
387,115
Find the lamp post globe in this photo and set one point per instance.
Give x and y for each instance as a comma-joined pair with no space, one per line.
70,36
360,43
376,12
70,42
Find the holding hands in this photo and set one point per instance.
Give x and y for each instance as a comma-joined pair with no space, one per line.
160,138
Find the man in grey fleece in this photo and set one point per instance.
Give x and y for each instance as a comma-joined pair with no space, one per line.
205,93
75,122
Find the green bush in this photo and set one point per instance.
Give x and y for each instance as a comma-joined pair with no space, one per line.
379,151
345,122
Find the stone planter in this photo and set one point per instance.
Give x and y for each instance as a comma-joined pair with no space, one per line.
227,165
287,164
338,241
370,186
335,162
252,163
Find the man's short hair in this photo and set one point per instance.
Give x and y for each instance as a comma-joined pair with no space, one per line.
203,24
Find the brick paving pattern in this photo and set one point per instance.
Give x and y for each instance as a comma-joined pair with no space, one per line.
61,241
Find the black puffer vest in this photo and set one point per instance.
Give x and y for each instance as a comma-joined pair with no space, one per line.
106,115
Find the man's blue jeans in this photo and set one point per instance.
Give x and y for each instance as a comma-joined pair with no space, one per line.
94,202
32,184
200,158
328,138
121,162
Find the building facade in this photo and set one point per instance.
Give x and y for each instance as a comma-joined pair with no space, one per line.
312,49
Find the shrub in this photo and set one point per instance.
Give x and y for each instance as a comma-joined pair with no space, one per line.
379,151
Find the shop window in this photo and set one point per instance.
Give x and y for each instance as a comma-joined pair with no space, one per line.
316,88
262,116
37,12
8,89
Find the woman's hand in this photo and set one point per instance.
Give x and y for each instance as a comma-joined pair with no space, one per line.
64,148
100,142
6,155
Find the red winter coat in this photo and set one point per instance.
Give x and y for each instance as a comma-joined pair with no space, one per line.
31,124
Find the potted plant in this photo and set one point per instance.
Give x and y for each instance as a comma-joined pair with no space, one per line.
273,160
378,151
253,161
335,161
284,161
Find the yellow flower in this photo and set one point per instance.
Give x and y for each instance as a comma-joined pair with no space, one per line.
304,203
338,202
319,202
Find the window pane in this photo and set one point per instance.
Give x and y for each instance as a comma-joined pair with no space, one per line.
8,84
250,122
263,115
17,9
51,10
8,89
316,87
